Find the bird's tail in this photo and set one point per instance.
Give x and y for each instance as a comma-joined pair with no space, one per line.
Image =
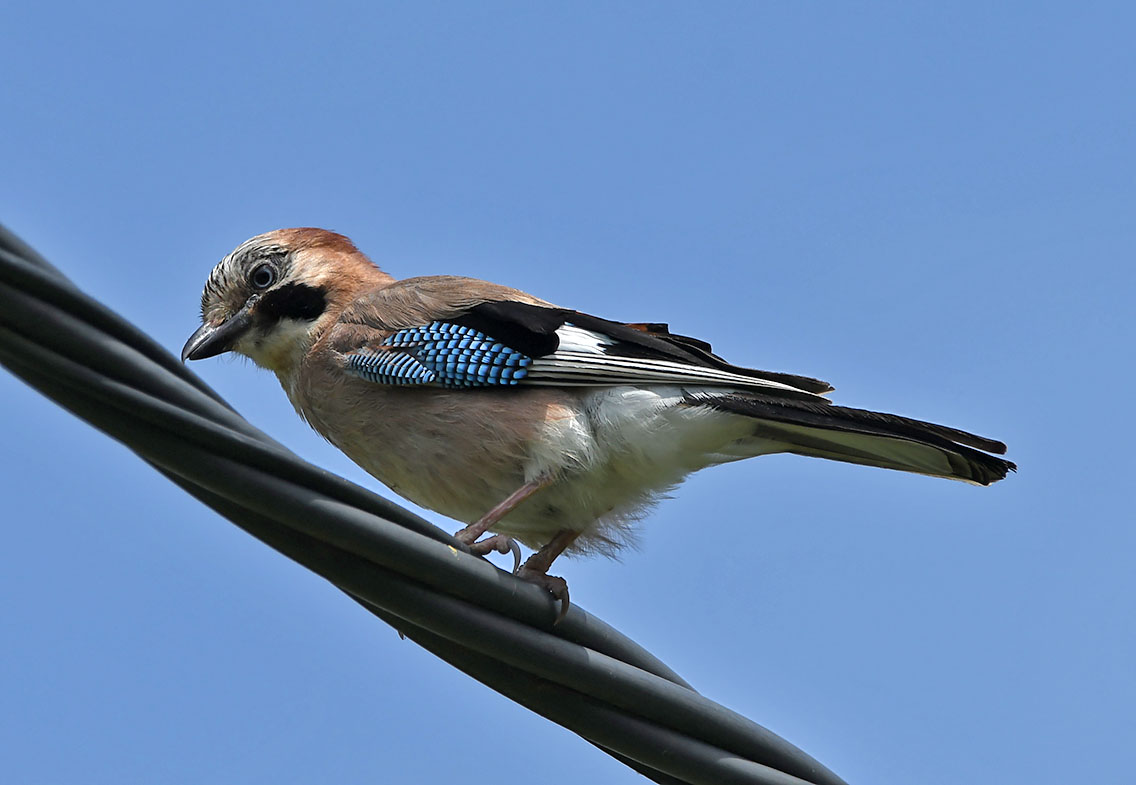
870,438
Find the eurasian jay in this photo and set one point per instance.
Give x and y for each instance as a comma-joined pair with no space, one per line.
519,417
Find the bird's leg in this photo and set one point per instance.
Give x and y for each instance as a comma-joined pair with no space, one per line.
499,542
535,569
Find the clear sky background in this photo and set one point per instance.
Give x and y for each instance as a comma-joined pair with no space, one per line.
933,208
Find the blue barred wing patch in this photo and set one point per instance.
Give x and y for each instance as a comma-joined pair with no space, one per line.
441,353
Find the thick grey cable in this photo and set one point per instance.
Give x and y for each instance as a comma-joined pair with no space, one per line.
581,674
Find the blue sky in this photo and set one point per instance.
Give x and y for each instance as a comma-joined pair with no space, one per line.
933,208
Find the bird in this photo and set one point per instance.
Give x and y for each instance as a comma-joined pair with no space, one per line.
524,420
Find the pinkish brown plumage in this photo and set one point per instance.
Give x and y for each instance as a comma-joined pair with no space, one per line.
516,416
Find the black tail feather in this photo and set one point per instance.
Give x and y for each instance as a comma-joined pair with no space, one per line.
805,424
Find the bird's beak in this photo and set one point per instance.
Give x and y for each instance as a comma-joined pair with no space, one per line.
213,339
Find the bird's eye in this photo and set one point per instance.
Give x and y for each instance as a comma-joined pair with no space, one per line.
263,276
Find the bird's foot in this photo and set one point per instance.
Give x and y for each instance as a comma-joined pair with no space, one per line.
497,542
554,585
470,533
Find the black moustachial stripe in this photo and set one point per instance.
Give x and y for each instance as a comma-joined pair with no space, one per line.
293,301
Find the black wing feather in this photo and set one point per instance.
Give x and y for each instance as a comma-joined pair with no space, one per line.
532,330
527,328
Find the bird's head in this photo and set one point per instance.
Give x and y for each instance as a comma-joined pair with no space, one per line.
272,297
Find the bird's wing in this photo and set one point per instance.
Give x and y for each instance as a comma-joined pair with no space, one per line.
507,342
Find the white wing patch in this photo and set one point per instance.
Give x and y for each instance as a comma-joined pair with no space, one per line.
576,339
581,361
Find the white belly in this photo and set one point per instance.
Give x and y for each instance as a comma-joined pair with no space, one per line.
622,450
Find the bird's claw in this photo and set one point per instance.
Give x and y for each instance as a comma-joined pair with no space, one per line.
499,543
553,584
